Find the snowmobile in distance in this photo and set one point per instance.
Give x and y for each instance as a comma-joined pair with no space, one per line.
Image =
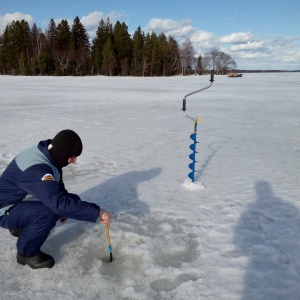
235,75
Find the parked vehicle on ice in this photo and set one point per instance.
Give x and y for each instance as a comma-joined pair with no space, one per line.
235,75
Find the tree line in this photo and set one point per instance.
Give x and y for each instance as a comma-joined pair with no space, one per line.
66,50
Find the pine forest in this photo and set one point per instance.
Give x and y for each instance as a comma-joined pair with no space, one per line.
67,50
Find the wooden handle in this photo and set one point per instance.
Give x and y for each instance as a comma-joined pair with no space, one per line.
107,233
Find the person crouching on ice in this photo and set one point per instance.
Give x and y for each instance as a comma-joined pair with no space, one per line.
33,197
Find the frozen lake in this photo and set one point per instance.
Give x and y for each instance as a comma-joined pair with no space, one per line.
236,238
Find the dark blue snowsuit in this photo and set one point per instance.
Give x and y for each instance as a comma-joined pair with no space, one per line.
33,198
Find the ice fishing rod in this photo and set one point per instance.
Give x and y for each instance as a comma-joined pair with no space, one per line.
108,242
193,136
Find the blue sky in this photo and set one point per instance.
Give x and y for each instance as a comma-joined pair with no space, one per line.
258,34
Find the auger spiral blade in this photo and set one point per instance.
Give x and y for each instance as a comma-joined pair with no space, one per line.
192,176
192,156
193,147
193,137
192,166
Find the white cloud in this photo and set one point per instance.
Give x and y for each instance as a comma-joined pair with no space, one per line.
249,46
170,27
17,16
292,56
91,21
201,36
180,30
252,55
244,47
236,38
278,52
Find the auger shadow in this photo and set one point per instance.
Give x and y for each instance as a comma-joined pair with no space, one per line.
117,195
213,150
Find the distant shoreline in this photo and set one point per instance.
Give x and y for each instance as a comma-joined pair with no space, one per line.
264,71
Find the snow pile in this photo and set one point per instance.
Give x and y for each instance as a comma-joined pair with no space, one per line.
192,186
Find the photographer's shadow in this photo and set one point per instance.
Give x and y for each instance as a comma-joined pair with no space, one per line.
268,234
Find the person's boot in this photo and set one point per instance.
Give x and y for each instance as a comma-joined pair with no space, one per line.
15,232
38,261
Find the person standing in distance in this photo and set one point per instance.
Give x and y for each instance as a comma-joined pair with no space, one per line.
33,196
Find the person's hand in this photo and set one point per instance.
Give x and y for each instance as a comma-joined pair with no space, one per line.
63,220
104,216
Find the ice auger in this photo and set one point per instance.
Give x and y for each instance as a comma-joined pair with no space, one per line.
193,136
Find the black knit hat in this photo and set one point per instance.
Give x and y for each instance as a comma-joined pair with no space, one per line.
64,145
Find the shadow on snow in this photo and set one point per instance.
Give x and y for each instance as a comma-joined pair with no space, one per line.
118,195
268,234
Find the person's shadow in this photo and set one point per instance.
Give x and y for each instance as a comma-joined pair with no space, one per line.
268,234
118,195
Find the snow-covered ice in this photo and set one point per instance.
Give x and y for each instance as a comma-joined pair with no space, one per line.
232,235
